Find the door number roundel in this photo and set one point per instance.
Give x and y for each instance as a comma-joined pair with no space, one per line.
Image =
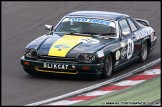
130,48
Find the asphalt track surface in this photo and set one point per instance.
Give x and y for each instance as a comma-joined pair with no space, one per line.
24,21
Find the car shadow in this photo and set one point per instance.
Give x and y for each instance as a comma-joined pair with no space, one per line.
63,77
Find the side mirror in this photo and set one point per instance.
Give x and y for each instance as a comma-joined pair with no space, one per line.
49,27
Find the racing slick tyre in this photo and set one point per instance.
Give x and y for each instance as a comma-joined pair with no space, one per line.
108,67
144,52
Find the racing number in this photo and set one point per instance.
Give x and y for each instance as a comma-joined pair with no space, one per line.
130,48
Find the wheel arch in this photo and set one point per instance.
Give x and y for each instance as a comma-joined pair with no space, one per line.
148,40
113,57
149,45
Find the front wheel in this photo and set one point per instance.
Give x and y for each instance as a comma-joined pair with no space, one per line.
144,52
108,67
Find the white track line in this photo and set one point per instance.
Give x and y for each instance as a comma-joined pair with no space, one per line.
129,82
97,85
97,93
64,102
152,72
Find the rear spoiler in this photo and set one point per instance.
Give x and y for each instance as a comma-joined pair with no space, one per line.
142,21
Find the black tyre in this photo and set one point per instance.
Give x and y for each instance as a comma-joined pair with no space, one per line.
144,52
108,67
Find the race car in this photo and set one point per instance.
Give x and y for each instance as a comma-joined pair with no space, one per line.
90,43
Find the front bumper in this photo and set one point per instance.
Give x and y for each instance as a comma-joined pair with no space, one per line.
50,67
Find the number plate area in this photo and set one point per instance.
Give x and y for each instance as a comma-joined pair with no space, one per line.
57,68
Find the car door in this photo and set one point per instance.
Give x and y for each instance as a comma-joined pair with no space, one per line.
137,42
128,40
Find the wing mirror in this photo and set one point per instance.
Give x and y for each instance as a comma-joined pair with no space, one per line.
49,27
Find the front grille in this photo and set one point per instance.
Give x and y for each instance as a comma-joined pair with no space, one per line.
56,59
69,71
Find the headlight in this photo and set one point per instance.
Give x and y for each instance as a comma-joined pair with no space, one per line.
30,53
86,58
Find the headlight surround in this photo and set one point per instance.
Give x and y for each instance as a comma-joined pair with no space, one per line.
30,53
86,58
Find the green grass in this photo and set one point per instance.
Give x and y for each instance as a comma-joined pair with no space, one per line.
141,94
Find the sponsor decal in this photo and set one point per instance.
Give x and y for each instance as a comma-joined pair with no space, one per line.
143,32
130,48
63,45
89,40
122,44
117,55
90,20
104,22
123,53
100,53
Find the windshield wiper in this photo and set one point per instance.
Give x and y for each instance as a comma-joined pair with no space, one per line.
76,33
85,34
107,34
82,34
73,33
93,34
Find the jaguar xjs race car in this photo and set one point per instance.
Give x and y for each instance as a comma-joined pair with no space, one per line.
93,43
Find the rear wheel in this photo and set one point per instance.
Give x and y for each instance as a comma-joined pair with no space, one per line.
144,52
108,66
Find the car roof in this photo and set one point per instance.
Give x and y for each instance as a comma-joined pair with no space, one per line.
99,14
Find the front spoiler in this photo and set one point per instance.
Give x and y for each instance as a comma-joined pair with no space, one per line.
94,69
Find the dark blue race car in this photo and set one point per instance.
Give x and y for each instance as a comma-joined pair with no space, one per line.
93,43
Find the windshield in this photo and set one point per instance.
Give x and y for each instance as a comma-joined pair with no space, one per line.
87,26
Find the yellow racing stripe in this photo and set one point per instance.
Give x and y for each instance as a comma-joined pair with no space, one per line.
62,46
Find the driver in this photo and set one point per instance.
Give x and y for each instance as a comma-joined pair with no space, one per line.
75,26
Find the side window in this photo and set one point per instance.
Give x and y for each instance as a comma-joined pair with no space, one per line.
132,25
124,27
